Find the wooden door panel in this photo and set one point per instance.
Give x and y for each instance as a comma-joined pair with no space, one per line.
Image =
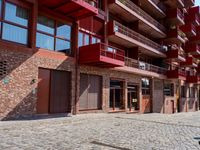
43,91
83,95
60,92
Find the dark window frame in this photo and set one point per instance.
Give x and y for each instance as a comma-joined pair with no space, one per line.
169,89
146,88
54,35
16,3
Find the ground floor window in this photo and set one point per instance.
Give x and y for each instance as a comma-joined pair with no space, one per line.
145,86
169,89
183,91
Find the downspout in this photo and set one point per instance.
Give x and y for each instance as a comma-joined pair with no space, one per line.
76,55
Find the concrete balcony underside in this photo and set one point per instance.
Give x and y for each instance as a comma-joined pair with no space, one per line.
174,3
173,55
153,8
149,26
75,9
140,72
130,42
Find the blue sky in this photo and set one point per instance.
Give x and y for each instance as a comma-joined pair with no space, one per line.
197,2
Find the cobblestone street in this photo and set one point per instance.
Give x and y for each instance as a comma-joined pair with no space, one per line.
104,132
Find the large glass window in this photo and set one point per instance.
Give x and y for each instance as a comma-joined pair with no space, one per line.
53,35
145,86
14,23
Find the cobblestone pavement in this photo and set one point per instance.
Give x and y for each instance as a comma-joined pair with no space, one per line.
104,132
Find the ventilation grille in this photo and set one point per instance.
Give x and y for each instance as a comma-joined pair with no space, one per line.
3,68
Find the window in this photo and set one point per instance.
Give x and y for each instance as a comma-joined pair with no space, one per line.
145,86
169,89
14,23
53,35
183,91
192,92
86,39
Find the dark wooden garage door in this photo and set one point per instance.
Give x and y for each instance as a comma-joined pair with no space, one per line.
90,92
53,91
60,92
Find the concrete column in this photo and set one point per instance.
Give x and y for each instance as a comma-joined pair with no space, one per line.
126,95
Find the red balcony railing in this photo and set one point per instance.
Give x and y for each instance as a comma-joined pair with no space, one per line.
188,29
175,16
193,78
192,18
176,73
193,49
142,13
176,55
100,54
144,66
117,27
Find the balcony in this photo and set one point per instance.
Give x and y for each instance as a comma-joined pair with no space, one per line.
189,62
189,30
154,7
195,39
144,69
192,49
194,10
174,3
176,74
101,55
120,34
175,36
175,17
189,3
193,79
130,12
176,55
75,9
193,19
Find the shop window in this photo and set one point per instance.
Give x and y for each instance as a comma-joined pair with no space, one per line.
169,89
14,23
145,86
53,35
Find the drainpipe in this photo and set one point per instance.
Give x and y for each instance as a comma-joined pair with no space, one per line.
76,55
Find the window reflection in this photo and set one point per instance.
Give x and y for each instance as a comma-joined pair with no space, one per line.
16,14
44,41
53,35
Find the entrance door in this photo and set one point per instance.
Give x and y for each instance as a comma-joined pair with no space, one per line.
133,101
60,92
53,91
116,95
90,92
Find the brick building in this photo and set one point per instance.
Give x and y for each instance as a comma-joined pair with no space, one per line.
77,56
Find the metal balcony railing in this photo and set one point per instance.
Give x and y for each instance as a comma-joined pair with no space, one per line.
136,36
144,66
111,52
142,13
